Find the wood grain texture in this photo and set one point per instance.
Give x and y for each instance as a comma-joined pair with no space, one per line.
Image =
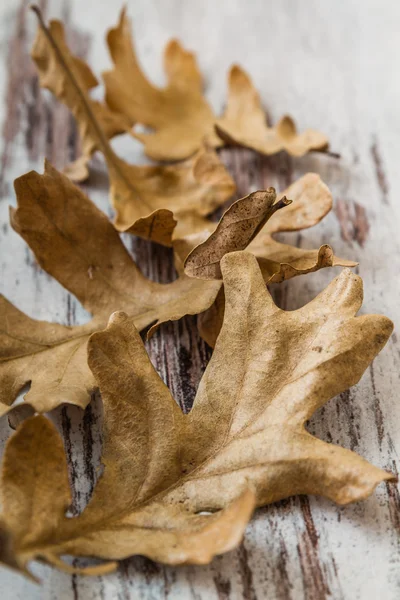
331,65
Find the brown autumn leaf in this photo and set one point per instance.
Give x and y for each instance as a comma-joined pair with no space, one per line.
110,122
244,123
244,443
145,198
77,245
179,114
245,224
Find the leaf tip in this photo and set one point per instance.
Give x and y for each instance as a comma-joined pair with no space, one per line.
35,8
236,262
362,492
117,317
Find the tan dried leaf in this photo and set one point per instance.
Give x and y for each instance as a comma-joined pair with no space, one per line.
243,444
179,114
77,245
47,60
244,123
312,201
145,198
246,224
188,191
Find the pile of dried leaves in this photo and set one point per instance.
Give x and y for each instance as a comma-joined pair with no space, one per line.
178,488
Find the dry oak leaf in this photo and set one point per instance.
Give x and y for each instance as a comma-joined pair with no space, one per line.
145,198
244,443
50,77
244,123
75,243
247,223
179,114
243,225
187,192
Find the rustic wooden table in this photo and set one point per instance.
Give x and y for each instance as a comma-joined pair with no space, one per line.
332,66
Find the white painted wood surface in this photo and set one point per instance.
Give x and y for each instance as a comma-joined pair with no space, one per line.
332,65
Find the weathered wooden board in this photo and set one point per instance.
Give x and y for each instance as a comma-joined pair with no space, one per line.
332,66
